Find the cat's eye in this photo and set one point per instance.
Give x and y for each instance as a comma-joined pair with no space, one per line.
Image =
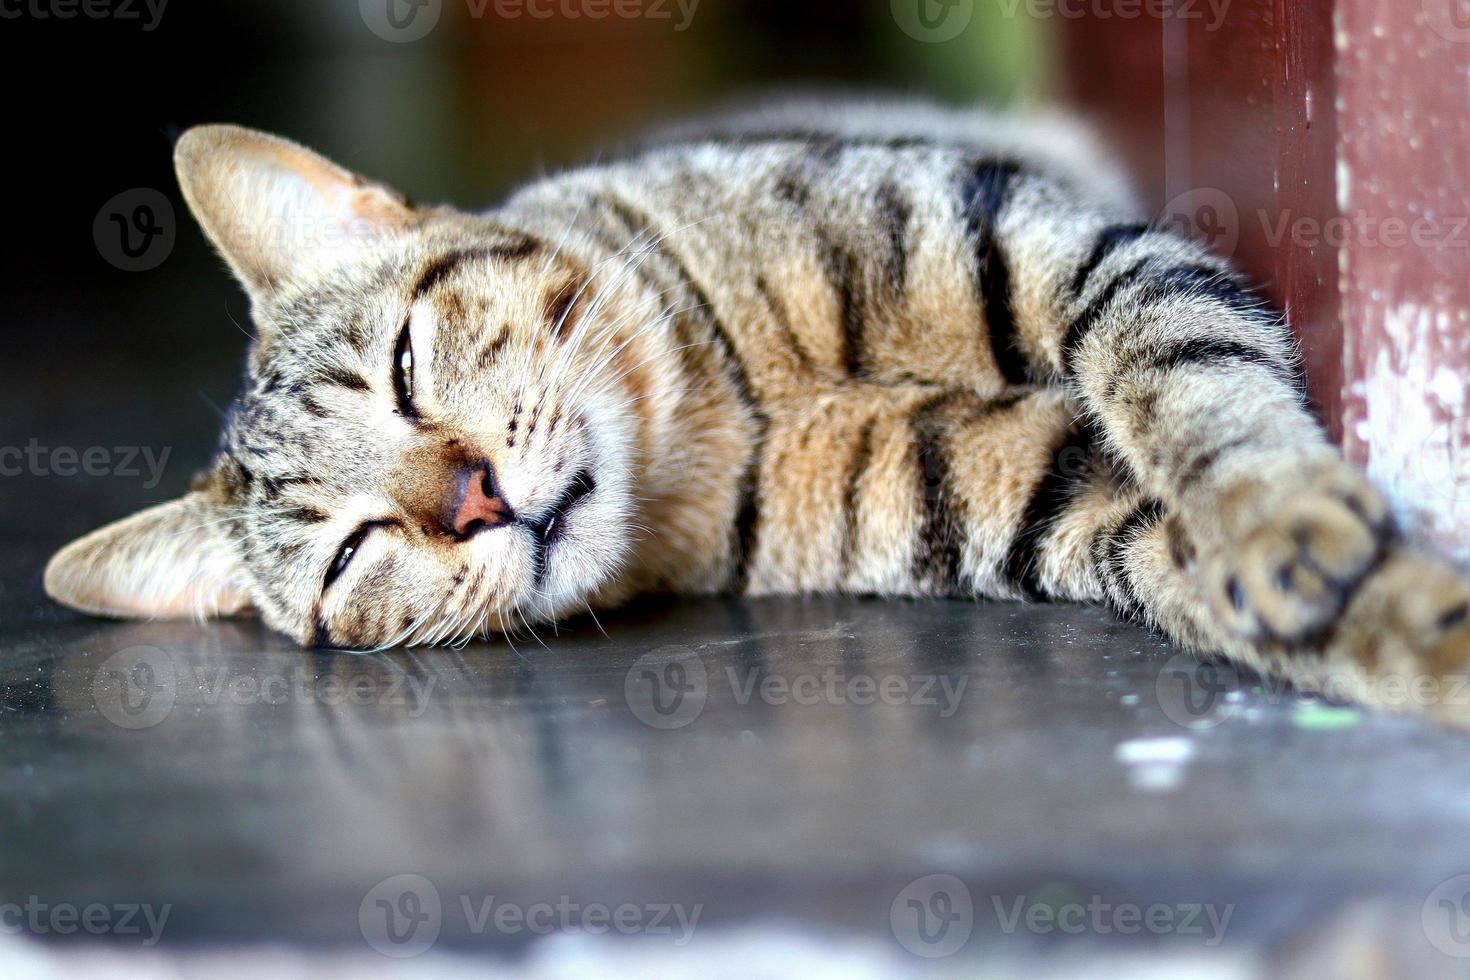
349,550
403,372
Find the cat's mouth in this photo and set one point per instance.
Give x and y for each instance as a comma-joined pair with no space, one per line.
551,526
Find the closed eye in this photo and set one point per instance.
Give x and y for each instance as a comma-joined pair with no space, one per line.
403,381
348,551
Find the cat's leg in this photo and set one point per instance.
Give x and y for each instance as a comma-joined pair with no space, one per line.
1402,641
1280,552
1192,385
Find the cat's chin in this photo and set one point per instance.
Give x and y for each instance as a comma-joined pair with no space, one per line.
574,552
562,579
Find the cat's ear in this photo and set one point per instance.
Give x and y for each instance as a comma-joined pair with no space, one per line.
277,211
167,562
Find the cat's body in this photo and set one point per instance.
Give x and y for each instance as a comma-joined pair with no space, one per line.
886,350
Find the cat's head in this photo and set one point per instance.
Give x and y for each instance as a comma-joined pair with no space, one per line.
431,439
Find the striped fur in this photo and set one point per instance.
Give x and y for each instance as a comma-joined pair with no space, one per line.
890,350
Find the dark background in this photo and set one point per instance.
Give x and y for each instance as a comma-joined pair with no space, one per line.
99,356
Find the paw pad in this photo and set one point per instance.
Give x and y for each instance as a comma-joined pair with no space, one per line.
1296,558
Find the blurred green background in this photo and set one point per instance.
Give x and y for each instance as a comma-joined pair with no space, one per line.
485,100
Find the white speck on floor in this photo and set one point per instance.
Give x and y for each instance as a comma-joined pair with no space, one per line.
1140,751
1155,765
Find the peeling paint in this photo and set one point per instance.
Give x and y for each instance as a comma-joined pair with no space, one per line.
1414,427
1402,143
1344,186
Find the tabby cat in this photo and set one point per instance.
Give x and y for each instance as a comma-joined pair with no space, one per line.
882,349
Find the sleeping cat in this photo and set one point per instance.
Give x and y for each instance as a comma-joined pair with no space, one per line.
878,349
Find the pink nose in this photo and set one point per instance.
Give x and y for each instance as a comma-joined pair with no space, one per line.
476,505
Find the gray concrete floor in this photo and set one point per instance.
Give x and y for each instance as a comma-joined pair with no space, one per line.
997,783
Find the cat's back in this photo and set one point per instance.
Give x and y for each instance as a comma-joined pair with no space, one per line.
830,219
1049,141
742,161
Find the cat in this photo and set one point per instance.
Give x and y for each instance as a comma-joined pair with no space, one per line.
889,349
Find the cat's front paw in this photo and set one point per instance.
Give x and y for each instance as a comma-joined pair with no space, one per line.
1408,632
1293,548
